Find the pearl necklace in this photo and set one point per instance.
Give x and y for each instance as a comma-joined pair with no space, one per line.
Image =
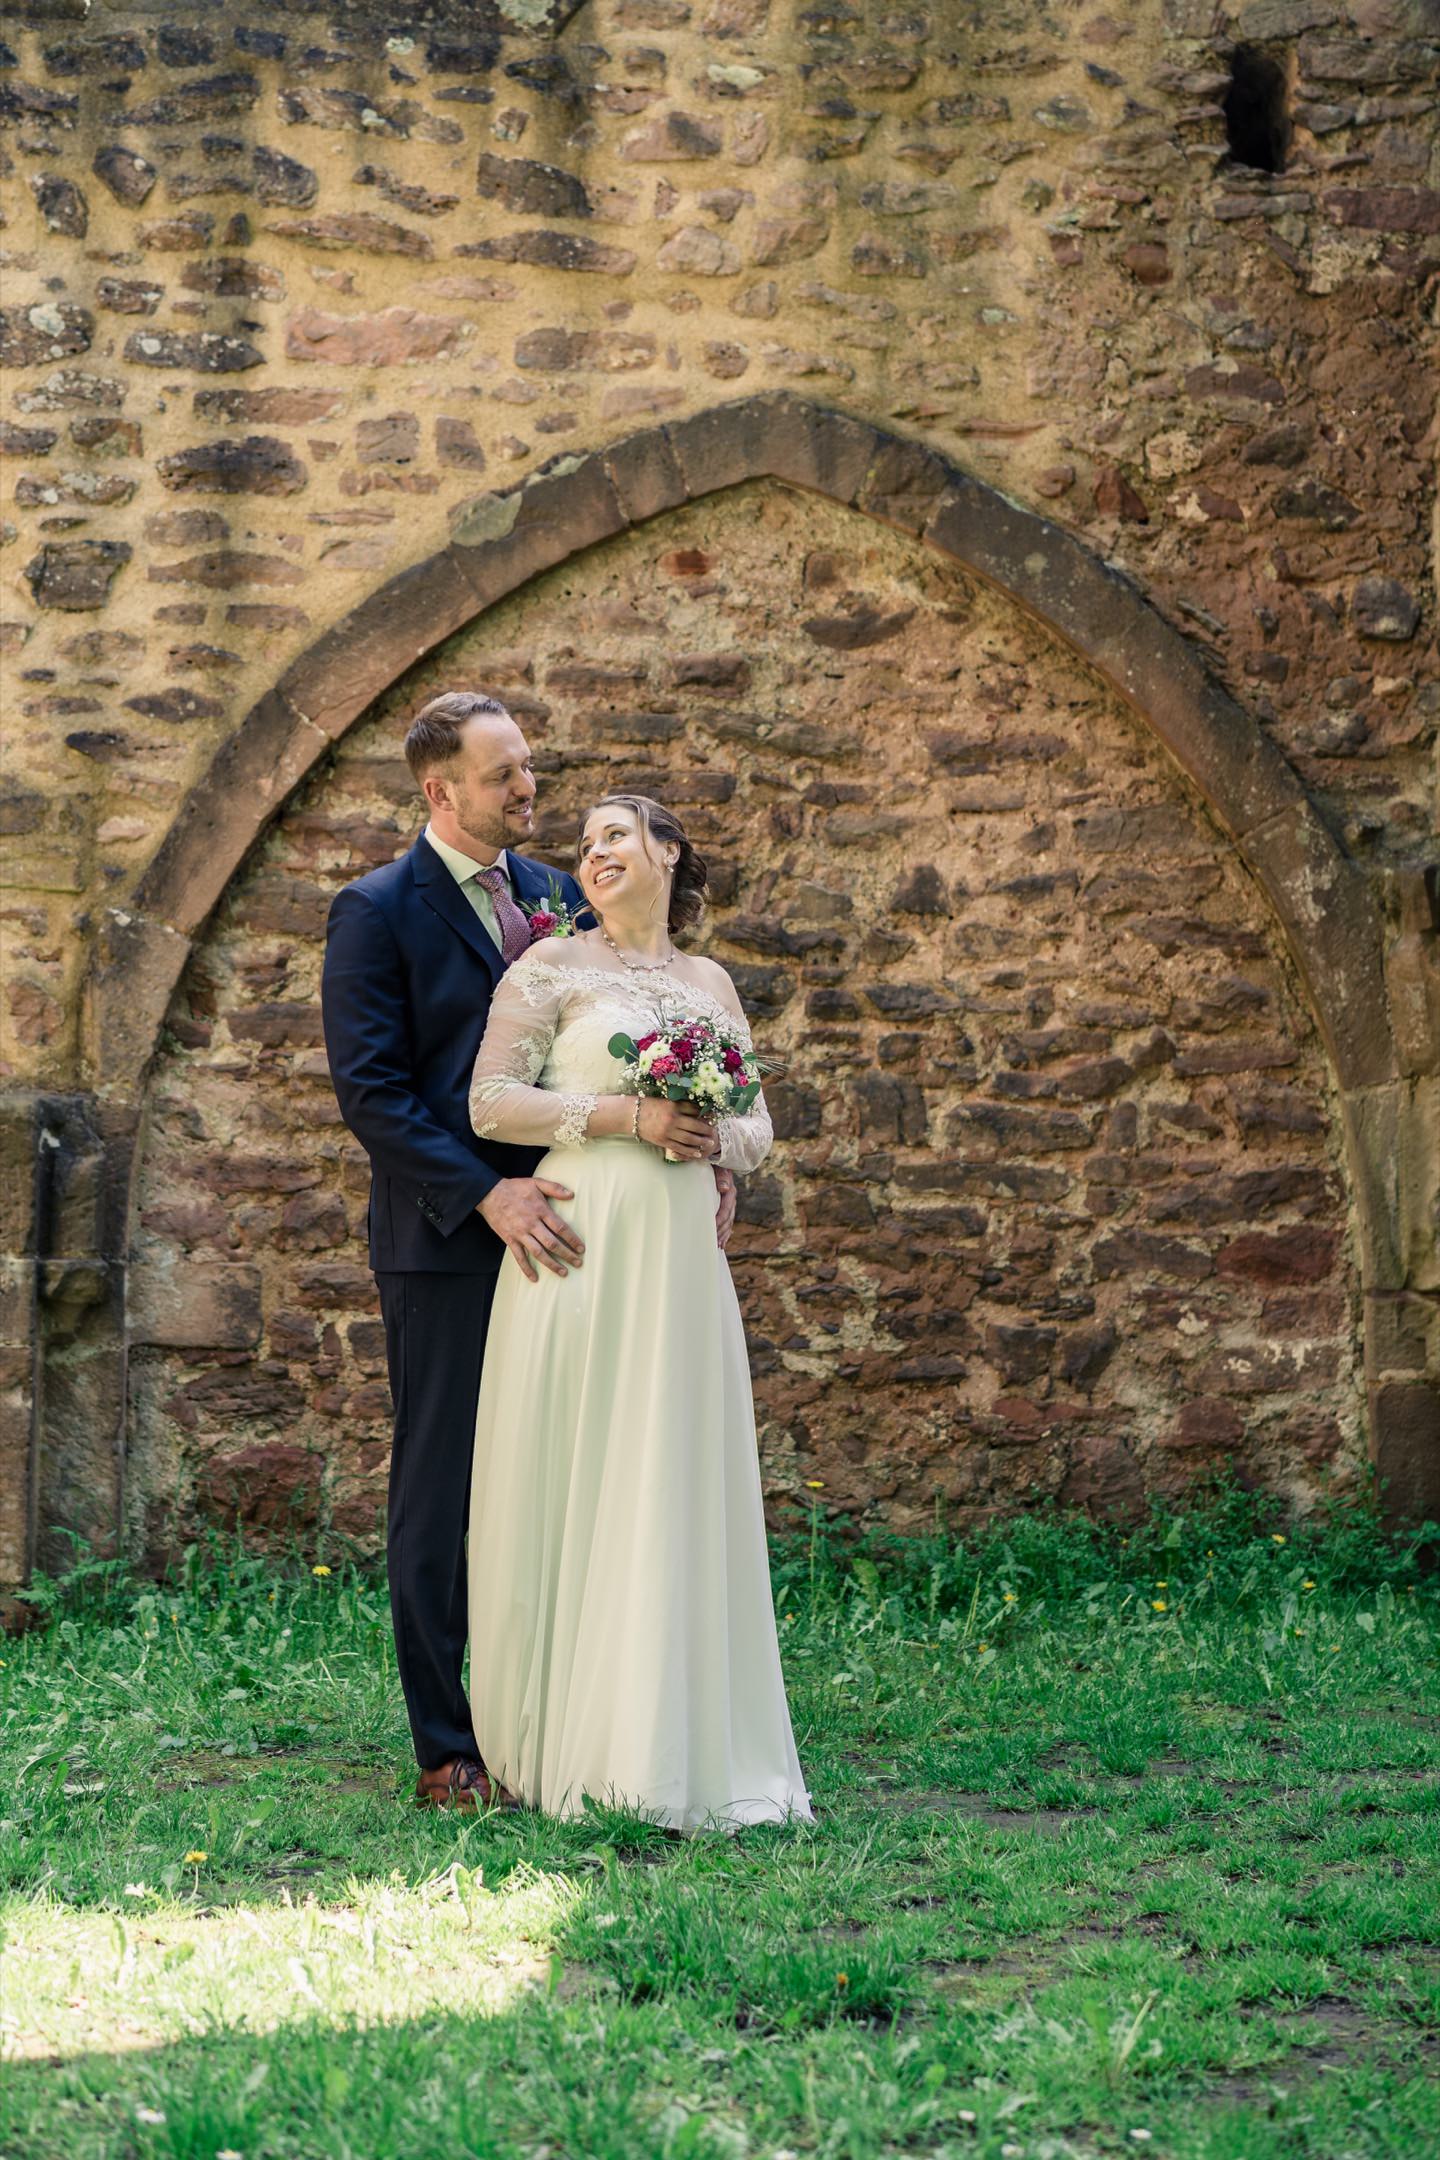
637,967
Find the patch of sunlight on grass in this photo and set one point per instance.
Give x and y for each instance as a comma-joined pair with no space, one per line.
81,1982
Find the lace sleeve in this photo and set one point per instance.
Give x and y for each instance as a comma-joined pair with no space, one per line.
745,1141
505,1103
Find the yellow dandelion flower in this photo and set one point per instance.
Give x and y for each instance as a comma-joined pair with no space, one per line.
1162,1585
196,1859
1276,1539
321,1570
1158,1604
982,1646
1307,1584
1009,1597
814,1484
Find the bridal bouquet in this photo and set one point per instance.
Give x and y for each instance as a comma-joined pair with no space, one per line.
692,1060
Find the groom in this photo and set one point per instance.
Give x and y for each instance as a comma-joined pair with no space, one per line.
413,954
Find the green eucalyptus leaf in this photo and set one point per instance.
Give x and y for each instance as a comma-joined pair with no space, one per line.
621,1046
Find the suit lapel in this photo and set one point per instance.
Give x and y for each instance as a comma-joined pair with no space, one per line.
439,891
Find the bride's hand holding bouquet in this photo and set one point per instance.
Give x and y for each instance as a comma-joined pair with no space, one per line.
687,1072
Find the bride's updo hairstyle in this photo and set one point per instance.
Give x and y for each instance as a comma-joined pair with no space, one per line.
663,829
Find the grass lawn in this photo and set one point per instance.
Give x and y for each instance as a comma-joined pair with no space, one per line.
1122,1847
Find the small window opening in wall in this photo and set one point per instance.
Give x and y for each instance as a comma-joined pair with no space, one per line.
1257,120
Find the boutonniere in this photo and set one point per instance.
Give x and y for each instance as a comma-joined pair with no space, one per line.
555,919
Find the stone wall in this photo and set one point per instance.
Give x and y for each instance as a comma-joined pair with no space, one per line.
1058,1202
290,309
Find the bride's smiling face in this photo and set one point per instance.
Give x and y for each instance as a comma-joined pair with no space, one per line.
617,868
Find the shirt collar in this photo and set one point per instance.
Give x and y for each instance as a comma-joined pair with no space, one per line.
461,866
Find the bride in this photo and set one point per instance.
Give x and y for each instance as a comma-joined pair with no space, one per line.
622,1633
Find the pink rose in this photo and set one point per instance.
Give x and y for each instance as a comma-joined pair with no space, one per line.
664,1068
543,924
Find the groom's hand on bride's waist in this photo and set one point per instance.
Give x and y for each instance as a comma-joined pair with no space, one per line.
518,1210
725,1197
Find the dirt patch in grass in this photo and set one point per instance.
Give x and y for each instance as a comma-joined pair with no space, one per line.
1040,1822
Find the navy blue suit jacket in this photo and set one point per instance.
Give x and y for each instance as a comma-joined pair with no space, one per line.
409,972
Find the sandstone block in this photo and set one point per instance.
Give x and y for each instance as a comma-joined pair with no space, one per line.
76,574
555,251
1331,913
188,1304
673,137
46,330
270,1486
117,55
281,180
250,776
128,176
1380,607
353,663
645,474
248,465
389,339
392,440
275,407
61,205
1207,1421
128,296
1304,1254
215,97
1103,1478
1385,209
357,231
456,444
530,189
203,352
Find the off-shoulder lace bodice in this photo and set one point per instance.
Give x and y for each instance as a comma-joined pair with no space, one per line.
545,1060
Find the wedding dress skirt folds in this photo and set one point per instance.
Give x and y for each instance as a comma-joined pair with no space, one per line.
622,1631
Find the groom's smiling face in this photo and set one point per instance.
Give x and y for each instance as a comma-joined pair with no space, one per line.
484,799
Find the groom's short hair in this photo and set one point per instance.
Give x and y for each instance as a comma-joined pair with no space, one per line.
435,735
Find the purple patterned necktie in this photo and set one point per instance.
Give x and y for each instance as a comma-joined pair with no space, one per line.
514,929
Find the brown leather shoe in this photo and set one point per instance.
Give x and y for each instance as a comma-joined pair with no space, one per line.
461,1783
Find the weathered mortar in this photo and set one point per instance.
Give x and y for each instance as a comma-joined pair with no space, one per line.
306,289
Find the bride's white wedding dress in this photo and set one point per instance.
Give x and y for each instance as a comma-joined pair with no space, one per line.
622,1631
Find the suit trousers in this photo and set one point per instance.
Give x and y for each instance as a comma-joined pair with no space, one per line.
435,1329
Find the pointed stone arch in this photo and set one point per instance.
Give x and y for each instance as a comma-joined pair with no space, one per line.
1325,907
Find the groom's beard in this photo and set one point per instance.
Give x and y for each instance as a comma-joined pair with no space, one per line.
494,833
